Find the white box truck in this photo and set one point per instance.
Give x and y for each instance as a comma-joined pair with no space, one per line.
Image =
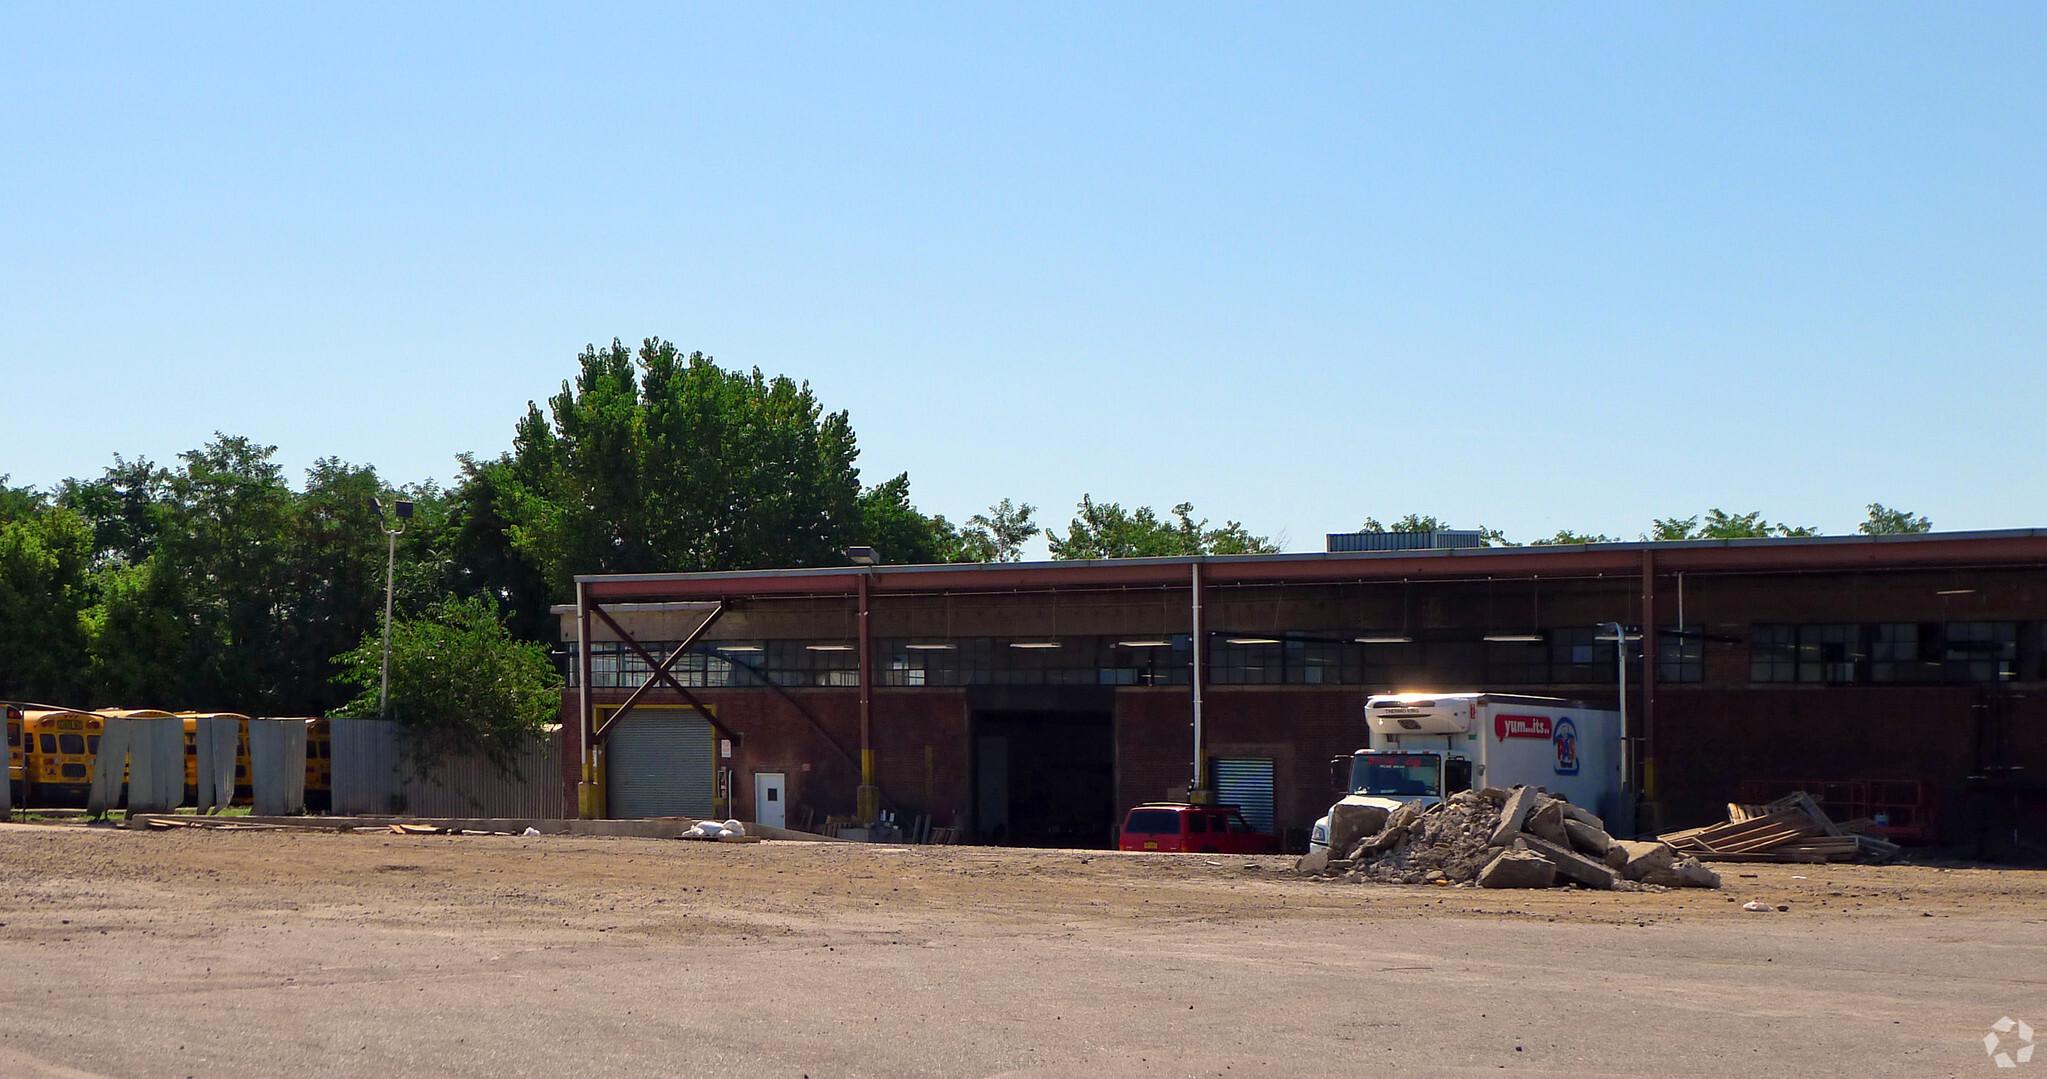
1425,747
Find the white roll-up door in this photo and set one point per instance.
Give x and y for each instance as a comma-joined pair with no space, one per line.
1246,784
657,763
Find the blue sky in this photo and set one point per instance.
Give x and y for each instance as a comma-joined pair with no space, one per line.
1527,266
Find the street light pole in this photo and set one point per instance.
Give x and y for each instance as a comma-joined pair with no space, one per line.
403,512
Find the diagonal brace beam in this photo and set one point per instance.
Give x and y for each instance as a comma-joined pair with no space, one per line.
661,670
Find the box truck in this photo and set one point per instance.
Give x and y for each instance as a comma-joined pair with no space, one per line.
1424,747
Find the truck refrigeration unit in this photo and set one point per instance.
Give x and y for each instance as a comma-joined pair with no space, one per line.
1425,747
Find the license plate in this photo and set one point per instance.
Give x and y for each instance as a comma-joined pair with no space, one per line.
1151,846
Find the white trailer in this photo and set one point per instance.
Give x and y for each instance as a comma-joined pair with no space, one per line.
1424,747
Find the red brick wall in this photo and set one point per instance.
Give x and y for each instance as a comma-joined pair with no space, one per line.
819,755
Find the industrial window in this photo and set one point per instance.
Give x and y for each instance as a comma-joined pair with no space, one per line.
1904,652
1517,663
1392,663
1981,651
1246,660
1681,654
1772,653
1832,654
1321,661
1577,655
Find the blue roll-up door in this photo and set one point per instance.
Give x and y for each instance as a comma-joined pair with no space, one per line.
1246,784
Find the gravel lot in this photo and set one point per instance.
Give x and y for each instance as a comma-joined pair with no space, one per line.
268,953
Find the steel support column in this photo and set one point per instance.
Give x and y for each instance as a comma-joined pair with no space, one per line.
868,797
587,796
1652,646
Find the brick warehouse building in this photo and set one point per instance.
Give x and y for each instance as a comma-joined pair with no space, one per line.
1032,703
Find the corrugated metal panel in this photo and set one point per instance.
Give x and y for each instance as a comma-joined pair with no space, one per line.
365,758
657,763
474,786
277,765
1246,784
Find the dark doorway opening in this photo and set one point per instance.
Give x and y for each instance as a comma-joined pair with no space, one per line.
1045,778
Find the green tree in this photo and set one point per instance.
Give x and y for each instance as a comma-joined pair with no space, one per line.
1719,524
999,534
1414,522
900,534
1107,530
660,461
129,509
1884,521
45,558
459,682
1566,537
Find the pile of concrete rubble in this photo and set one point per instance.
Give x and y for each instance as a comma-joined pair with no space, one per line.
1492,838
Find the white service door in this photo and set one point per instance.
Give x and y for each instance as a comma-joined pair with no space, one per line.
770,799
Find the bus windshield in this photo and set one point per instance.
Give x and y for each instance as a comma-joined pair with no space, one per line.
1399,775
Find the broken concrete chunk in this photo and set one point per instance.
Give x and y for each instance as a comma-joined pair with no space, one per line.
1587,839
1686,872
1493,796
1583,816
1572,865
1350,823
1636,860
1547,820
1513,815
1518,868
1313,863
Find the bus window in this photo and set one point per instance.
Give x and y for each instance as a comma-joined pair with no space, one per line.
92,744
71,743
49,743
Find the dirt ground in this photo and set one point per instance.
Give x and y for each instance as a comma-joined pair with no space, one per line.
263,953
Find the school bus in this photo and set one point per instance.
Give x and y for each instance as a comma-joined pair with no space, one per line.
319,765
57,748
245,791
14,784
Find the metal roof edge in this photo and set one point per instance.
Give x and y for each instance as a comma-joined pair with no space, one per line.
1313,557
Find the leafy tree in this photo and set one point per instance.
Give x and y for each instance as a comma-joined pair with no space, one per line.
1413,522
660,461
999,534
1107,530
129,508
1566,537
1719,524
478,555
45,555
1884,521
459,682
139,637
900,534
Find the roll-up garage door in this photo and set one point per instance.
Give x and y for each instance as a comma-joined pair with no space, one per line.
1246,784
657,763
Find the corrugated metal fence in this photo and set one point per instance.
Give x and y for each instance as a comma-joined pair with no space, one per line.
373,776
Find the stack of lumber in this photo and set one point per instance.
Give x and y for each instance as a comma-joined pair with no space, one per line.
1791,829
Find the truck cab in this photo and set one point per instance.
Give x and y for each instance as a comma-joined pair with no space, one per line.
1386,779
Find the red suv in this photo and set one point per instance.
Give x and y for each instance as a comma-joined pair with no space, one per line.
1193,829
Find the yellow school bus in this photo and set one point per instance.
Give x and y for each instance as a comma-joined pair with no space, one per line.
57,748
14,784
245,792
319,765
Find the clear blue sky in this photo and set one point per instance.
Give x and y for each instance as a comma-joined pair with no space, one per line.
1535,267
